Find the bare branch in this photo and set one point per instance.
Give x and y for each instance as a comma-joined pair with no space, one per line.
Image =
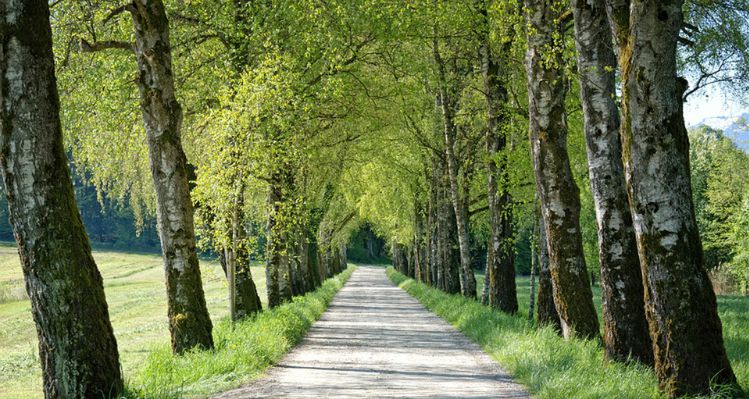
687,42
473,212
117,11
87,47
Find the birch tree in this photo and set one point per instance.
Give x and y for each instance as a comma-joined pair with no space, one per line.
625,331
558,192
680,303
189,323
77,347
500,260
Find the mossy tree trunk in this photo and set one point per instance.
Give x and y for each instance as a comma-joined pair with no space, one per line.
189,323
446,100
77,347
277,267
680,303
447,251
546,310
314,262
247,299
433,223
558,193
625,328
500,266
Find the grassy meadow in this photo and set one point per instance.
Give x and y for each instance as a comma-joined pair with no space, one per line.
553,368
134,286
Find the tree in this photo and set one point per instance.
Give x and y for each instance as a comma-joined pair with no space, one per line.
77,347
448,90
626,333
718,190
546,313
500,265
680,304
189,323
558,193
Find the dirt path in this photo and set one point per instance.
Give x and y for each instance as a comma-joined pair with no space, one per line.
377,341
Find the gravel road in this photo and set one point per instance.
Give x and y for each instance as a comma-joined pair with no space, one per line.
376,341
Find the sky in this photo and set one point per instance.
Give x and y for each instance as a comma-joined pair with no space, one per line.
710,105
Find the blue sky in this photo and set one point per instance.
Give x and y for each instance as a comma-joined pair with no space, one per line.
710,104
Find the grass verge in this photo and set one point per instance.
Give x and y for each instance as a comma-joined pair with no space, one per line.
547,365
243,350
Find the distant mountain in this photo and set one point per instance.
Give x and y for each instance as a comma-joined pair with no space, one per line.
738,131
736,128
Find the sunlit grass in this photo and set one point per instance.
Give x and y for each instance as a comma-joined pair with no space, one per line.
243,350
136,295
554,368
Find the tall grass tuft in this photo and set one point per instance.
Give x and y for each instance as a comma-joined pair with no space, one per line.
243,350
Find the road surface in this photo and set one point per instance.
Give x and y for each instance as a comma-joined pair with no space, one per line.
377,341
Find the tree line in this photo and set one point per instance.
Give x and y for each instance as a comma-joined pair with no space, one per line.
276,129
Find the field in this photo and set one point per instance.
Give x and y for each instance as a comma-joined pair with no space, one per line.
134,285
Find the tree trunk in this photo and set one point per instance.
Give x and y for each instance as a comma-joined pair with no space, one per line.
314,263
625,328
247,299
558,193
304,264
244,299
235,261
532,301
467,278
415,262
451,271
447,105
419,261
500,267
296,266
489,260
546,310
433,222
230,269
277,267
189,323
344,258
371,244
77,347
680,303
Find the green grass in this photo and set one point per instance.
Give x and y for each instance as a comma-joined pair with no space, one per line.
243,350
134,286
553,368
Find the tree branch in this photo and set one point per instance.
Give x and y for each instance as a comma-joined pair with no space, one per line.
87,47
117,11
478,210
687,42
